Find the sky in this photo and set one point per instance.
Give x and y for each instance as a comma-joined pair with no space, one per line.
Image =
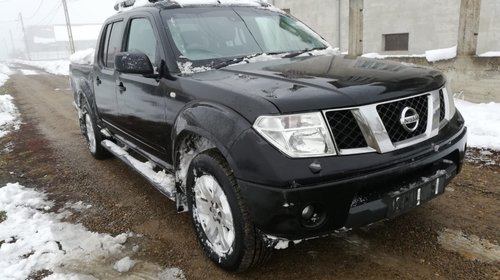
46,12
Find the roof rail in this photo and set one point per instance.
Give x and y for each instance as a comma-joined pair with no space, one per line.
129,3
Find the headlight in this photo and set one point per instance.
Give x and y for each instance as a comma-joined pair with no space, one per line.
301,135
450,102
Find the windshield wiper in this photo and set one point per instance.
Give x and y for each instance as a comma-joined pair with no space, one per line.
228,62
294,54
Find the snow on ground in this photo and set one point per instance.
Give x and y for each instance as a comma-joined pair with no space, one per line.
430,55
483,122
34,239
56,67
124,265
384,56
9,116
470,246
83,57
441,54
29,72
490,54
4,73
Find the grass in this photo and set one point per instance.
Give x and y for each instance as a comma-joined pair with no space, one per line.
3,216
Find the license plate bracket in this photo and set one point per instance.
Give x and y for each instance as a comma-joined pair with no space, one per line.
404,200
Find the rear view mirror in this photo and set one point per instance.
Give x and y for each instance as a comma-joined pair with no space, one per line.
133,63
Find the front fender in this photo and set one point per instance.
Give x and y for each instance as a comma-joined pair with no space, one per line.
217,123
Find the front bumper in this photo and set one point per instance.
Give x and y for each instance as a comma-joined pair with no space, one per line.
357,197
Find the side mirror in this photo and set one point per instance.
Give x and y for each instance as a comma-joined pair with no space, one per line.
133,63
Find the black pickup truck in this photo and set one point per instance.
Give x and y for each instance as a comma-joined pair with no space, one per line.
242,115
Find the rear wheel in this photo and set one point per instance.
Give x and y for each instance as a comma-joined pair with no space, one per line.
92,134
220,217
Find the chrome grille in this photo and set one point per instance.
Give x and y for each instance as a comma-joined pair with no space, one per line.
442,110
390,113
377,127
345,130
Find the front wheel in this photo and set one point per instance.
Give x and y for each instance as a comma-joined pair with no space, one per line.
220,217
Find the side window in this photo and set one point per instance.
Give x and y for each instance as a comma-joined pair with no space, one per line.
115,44
103,51
141,38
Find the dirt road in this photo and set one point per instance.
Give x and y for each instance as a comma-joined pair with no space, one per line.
456,236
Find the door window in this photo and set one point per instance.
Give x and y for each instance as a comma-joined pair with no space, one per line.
142,38
103,50
115,43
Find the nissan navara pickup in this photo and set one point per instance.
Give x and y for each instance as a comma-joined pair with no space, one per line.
253,124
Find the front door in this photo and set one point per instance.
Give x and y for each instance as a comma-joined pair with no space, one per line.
141,100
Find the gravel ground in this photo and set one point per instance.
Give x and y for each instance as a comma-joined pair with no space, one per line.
455,236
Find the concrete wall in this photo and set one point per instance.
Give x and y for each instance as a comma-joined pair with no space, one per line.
476,78
431,24
489,27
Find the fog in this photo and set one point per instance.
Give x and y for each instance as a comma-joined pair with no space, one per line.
37,13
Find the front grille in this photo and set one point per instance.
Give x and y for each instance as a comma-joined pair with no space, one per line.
442,109
345,130
390,113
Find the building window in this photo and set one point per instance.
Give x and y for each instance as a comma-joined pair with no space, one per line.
396,42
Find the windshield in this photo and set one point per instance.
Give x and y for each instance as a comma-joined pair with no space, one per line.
202,35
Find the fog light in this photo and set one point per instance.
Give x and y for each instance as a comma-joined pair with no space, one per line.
313,216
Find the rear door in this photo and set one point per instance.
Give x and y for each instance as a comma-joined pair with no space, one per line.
105,74
141,100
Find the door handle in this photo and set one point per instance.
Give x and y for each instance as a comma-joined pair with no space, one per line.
98,81
121,87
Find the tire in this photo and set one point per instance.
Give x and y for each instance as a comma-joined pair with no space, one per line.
92,135
208,174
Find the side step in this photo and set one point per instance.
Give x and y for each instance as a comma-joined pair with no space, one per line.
164,182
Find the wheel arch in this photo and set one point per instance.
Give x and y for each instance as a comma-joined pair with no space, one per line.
218,124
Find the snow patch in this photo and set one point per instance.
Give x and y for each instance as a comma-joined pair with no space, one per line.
441,54
490,54
79,206
469,246
9,116
4,73
56,67
83,57
164,181
188,153
384,56
124,265
27,72
188,69
34,239
430,55
483,123
171,274
327,51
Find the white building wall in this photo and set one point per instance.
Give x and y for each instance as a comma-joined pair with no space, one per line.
489,27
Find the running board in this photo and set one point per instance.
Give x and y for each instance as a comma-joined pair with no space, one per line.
162,181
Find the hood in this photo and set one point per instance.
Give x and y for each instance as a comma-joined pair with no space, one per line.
323,82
